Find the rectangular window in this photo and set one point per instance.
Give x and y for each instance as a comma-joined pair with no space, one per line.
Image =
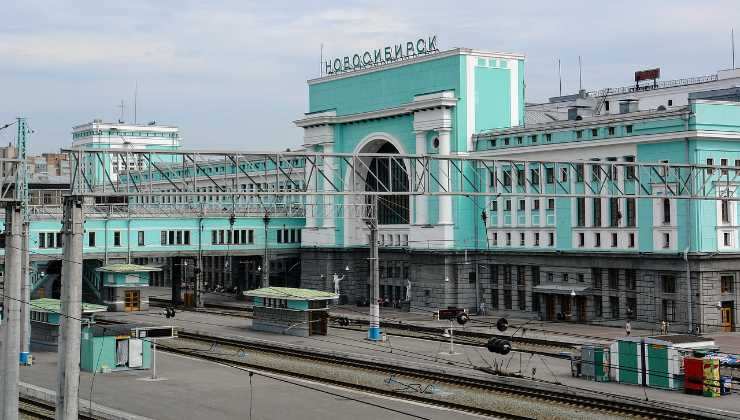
613,275
522,300
581,278
727,283
494,274
508,238
550,239
507,177
551,204
507,299
178,236
630,278
140,237
579,134
536,239
580,169
279,236
506,141
163,237
533,138
519,140
534,174
670,102
251,236
596,277
629,169
597,240
116,238
494,299
50,240
631,217
214,237
669,283
564,174
186,237
171,237
91,239
550,277
522,204
666,211
723,162
611,131
580,211
726,239
666,240
60,239
631,240
494,205
597,211
535,275
521,239
615,214
615,242
725,210
520,177
632,308
548,137
42,240
565,277
594,132
536,204
710,161
614,304
598,307
581,239
628,129
669,310
535,302
494,238
507,205
507,275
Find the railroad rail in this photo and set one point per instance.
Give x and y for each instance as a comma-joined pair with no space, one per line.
559,349
32,408
535,390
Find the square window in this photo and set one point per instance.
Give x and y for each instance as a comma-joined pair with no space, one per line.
727,283
594,132
519,140
550,203
522,204
628,129
579,134
611,131
533,138
506,141
548,137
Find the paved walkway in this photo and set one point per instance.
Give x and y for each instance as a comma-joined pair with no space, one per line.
424,354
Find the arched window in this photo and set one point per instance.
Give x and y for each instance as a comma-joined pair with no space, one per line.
389,174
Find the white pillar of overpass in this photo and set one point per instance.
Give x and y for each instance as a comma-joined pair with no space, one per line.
310,171
421,206
329,211
445,201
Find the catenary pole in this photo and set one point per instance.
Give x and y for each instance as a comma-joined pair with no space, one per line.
12,319
68,366
373,332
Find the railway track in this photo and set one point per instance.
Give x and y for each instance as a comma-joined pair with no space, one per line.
536,391
549,348
32,408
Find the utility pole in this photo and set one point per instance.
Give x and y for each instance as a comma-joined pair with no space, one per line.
68,365
12,291
373,332
265,259
21,186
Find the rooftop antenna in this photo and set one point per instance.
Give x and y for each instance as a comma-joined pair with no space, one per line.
580,74
122,106
136,93
732,39
560,80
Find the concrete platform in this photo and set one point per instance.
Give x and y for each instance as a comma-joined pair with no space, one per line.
196,389
425,354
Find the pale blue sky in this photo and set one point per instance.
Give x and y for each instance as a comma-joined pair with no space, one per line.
232,74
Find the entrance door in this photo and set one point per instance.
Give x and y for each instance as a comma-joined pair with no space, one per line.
135,353
550,307
581,305
726,317
132,300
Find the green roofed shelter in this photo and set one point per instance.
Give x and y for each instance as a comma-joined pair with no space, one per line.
291,311
45,319
123,284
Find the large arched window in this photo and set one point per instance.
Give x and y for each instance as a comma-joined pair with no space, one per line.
389,174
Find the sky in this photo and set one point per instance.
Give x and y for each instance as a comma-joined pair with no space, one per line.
232,73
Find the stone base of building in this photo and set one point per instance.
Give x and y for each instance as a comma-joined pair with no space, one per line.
577,287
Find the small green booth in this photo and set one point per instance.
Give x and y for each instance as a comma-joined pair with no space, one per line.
113,348
123,286
291,311
45,317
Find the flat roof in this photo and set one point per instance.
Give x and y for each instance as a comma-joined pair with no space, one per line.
291,293
55,306
127,268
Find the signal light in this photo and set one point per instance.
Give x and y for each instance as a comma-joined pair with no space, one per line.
500,346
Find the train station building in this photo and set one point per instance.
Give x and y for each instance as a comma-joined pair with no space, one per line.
598,256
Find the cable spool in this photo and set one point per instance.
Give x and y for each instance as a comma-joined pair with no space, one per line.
502,324
498,345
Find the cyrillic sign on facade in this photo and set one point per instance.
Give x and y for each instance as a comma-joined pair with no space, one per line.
380,56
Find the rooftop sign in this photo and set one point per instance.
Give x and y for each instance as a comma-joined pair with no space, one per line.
381,56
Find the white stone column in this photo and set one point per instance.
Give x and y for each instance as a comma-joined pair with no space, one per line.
328,169
311,186
445,201
420,201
